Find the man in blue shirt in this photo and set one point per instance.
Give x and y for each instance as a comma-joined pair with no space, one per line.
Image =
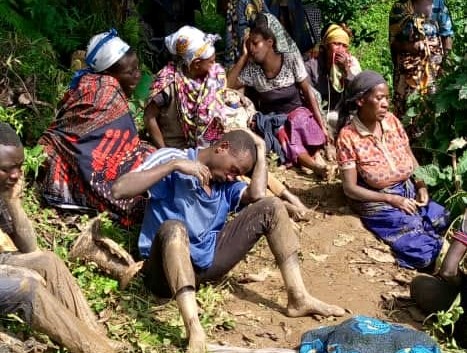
185,237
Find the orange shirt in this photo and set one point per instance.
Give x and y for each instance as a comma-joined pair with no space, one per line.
380,162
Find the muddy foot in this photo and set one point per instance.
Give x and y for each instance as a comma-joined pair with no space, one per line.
298,213
310,305
131,272
197,342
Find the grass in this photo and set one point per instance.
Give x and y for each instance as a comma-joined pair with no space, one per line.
148,323
375,55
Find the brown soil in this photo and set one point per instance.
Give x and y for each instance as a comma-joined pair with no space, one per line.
335,267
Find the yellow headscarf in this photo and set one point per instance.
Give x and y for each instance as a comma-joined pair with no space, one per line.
336,34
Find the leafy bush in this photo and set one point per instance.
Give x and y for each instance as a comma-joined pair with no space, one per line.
30,67
209,21
373,55
444,123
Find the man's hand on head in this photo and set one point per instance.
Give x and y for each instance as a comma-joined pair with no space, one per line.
259,141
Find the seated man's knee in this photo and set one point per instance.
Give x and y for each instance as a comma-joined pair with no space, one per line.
273,206
173,230
18,296
48,264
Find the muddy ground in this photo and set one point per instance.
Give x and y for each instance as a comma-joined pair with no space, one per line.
342,264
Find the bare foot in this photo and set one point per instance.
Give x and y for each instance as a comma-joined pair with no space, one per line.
309,305
196,339
298,213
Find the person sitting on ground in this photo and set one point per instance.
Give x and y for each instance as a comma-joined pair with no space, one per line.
36,284
332,70
434,294
272,65
94,139
187,105
377,166
420,35
240,13
185,237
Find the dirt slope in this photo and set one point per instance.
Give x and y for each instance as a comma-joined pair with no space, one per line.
341,265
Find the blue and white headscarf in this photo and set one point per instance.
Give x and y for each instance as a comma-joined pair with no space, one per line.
104,50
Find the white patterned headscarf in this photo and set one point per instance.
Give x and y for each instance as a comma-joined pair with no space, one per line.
104,50
190,43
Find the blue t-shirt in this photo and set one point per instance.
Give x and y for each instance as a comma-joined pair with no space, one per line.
181,197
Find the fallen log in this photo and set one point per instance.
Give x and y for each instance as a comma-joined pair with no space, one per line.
10,344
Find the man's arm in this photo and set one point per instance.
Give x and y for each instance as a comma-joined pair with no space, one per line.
24,235
259,178
136,183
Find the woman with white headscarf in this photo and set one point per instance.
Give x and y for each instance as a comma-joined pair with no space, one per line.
93,139
186,99
187,103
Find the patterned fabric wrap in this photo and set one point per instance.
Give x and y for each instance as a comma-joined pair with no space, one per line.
415,72
303,134
362,334
200,102
294,20
92,142
414,239
284,43
240,14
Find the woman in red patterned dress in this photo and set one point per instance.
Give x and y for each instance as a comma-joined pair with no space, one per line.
377,166
94,139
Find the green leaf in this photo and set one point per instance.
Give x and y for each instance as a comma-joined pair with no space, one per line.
463,93
430,174
462,164
142,89
457,143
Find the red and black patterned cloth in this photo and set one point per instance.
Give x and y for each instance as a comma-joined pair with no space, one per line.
92,142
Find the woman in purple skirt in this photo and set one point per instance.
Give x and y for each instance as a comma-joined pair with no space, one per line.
271,64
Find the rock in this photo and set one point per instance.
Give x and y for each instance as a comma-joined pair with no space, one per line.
378,255
343,239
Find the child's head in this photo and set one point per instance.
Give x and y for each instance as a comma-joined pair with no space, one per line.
423,7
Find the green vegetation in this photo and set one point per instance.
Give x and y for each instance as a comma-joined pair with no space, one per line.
375,54
442,116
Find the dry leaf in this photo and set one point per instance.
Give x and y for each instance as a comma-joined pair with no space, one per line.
343,239
379,255
318,258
